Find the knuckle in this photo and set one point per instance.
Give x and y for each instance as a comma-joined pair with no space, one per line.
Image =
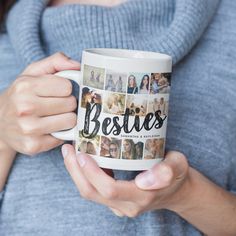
149,198
27,128
176,156
132,213
21,84
164,168
31,66
59,55
184,159
31,147
87,193
24,108
110,193
181,165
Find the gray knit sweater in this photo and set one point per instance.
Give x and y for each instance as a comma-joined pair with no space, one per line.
39,197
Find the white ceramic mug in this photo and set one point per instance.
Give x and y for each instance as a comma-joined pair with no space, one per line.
122,108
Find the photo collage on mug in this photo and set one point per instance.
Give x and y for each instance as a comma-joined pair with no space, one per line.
116,92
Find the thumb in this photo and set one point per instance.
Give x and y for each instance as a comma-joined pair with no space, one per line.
51,65
173,168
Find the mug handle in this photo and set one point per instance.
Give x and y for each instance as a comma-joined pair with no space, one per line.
76,76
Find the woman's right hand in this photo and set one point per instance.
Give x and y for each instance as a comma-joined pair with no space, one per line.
37,104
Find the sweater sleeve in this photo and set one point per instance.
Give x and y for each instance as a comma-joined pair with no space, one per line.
232,173
232,178
1,197
232,183
10,68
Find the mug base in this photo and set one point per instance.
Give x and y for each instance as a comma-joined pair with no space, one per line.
123,164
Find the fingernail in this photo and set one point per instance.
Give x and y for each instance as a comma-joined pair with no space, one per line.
76,63
81,160
64,151
116,212
146,179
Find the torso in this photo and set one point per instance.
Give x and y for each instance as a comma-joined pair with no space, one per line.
41,196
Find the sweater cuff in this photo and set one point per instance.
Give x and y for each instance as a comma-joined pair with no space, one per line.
1,196
233,192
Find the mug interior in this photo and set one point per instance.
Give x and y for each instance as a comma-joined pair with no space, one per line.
128,54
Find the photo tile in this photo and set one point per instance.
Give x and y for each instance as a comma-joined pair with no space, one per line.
132,85
89,146
115,81
90,96
160,83
94,77
132,150
114,103
110,147
154,148
158,104
138,83
137,105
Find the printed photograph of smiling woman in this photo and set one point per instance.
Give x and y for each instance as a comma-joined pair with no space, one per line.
132,149
90,146
90,96
142,82
110,147
154,148
160,83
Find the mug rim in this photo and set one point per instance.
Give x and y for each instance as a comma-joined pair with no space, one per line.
128,54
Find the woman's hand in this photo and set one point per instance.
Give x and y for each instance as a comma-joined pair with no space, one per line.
164,186
37,104
171,185
6,148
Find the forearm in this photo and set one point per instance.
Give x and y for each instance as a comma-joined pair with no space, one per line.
208,207
7,156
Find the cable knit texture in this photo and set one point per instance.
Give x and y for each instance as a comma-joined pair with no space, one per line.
169,26
40,198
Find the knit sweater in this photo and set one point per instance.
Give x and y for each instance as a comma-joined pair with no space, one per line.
40,197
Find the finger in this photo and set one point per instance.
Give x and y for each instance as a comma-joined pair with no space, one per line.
55,106
33,146
108,187
86,190
178,163
51,65
117,212
162,175
50,124
83,185
48,142
52,86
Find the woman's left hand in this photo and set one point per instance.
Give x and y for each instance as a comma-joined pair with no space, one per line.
165,186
